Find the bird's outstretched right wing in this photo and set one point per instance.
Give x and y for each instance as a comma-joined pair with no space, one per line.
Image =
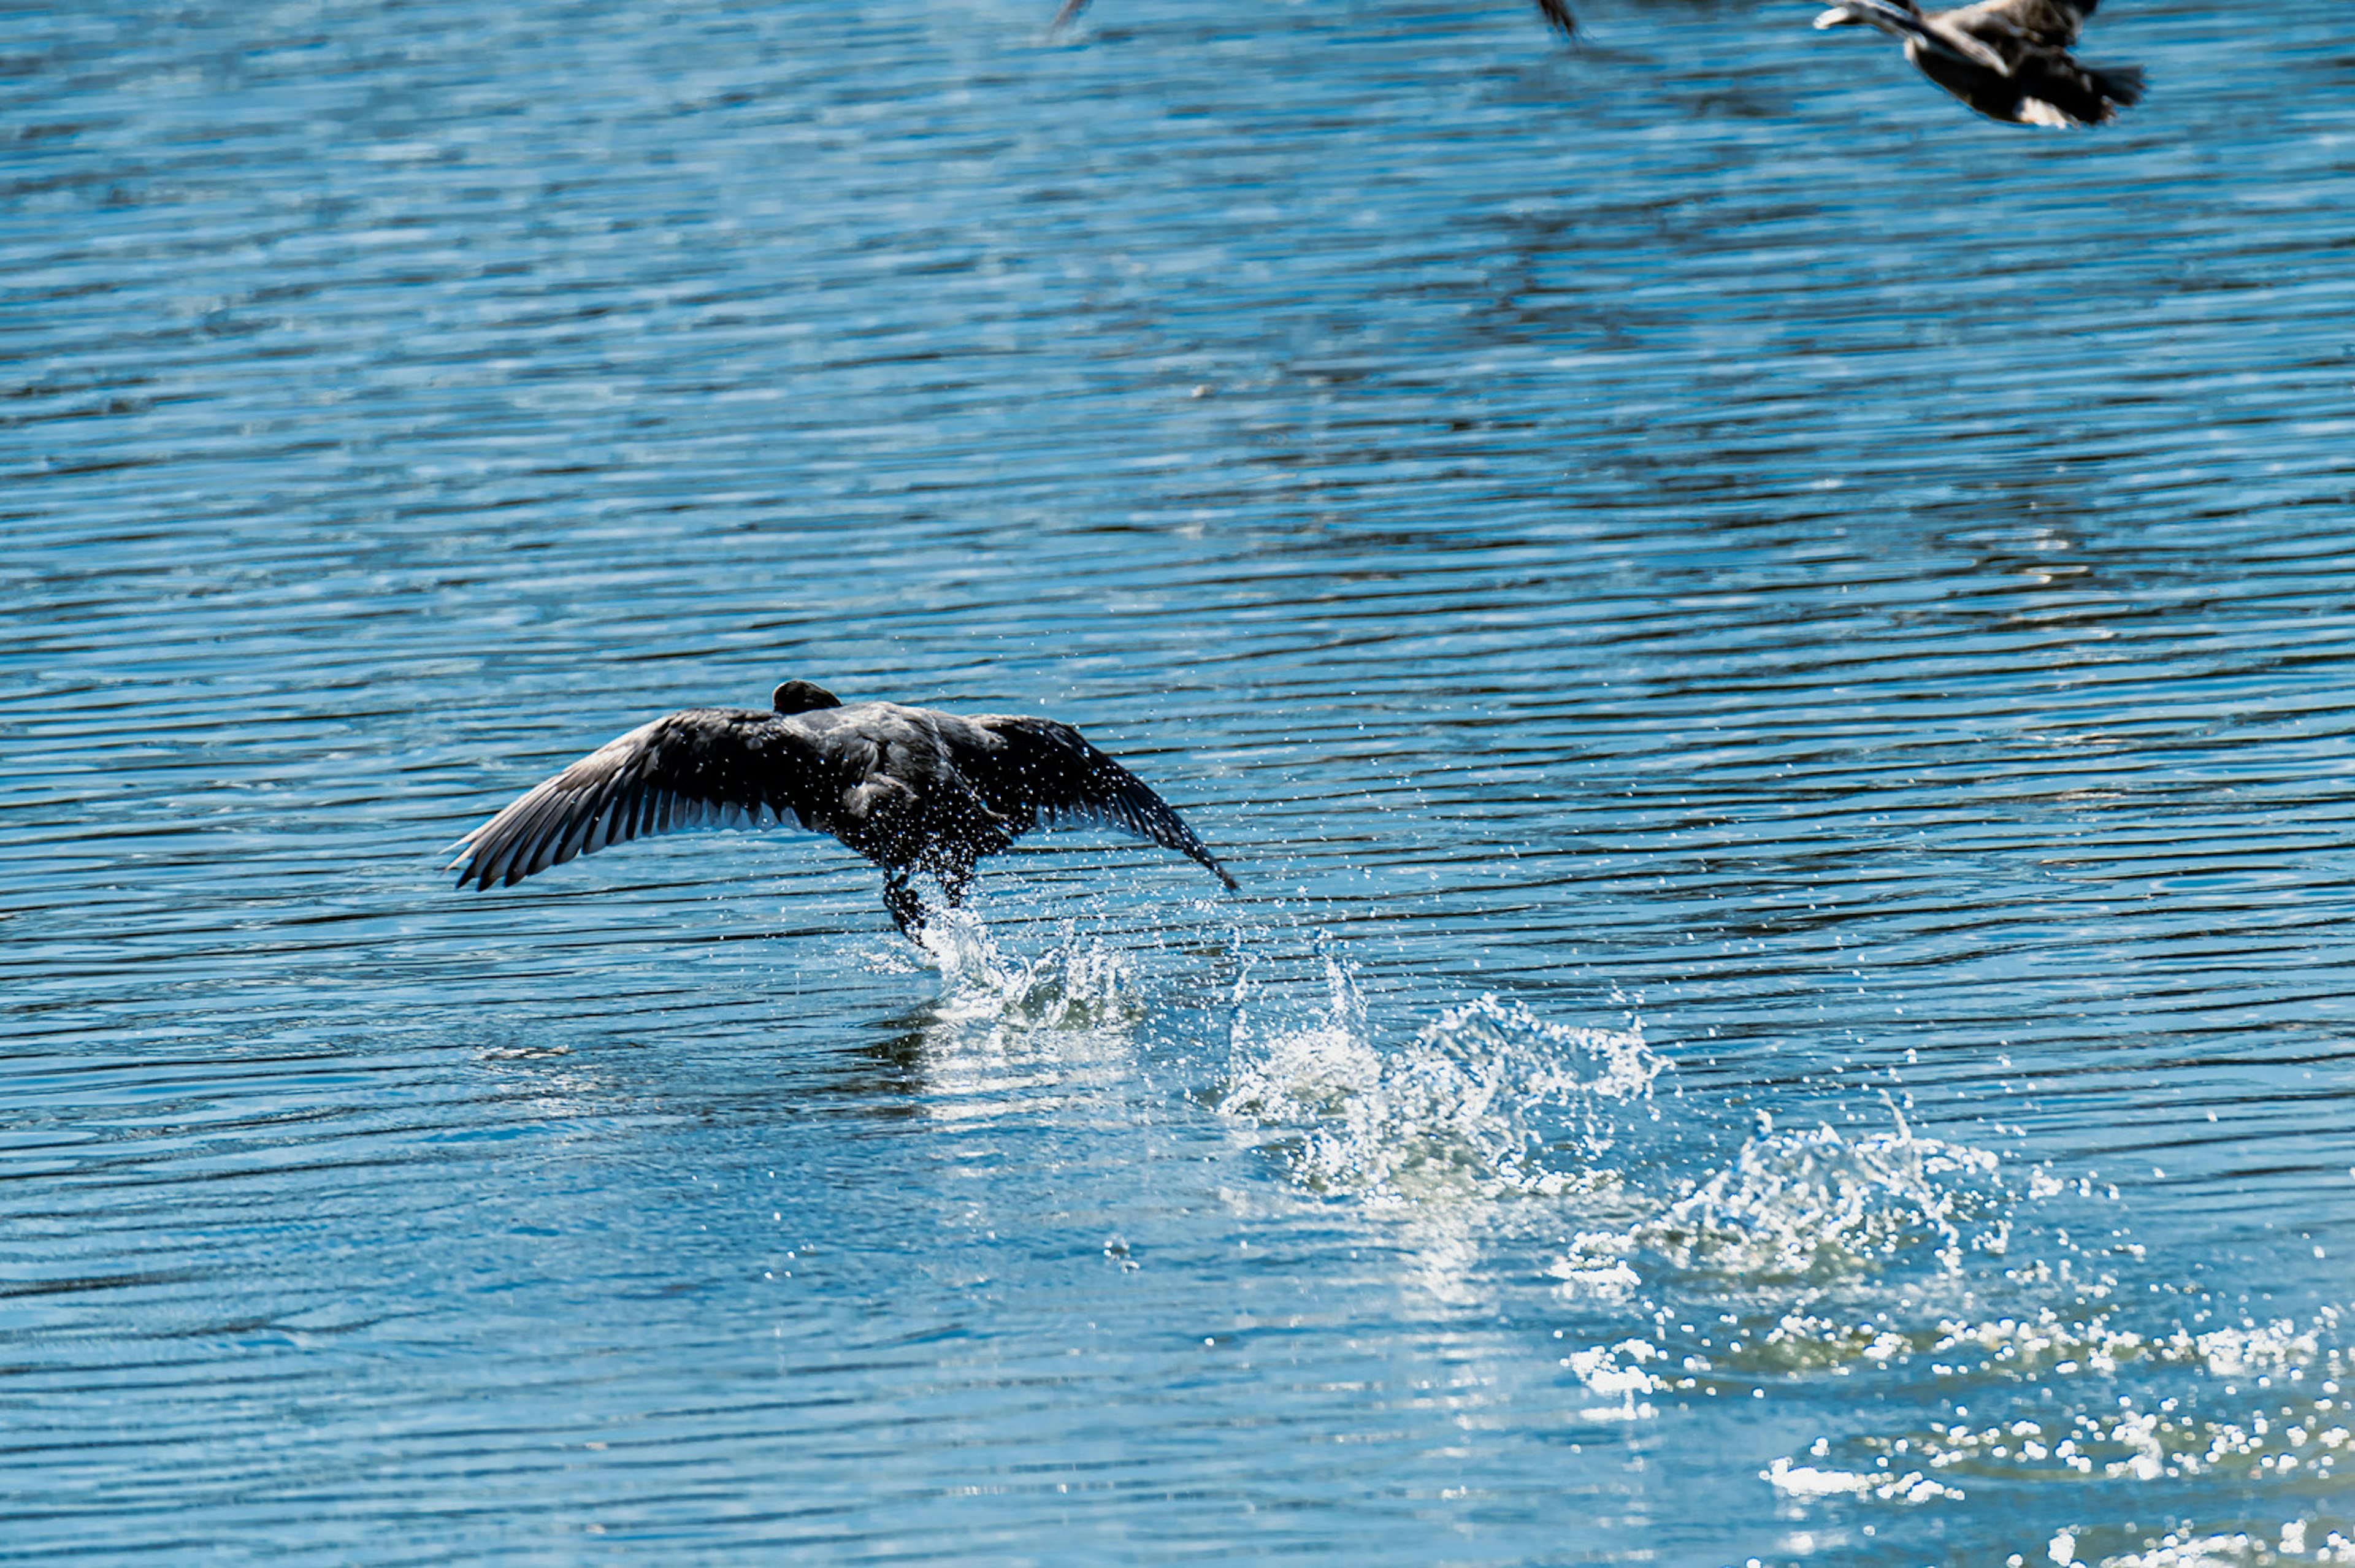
1035,770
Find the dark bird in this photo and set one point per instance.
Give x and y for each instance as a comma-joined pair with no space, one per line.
1555,11
912,789
2007,58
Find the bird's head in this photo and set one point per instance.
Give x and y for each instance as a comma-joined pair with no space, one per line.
801,697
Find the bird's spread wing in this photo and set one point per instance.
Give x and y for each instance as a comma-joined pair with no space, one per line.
1035,770
1902,21
2054,24
706,767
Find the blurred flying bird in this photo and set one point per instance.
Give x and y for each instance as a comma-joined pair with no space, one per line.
1555,11
911,788
2007,58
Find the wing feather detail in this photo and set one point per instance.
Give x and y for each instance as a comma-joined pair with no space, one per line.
1036,771
705,767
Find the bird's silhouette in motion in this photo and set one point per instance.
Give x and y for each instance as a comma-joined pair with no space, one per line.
2007,58
1555,11
912,789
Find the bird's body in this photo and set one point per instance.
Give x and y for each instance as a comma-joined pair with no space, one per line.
2008,60
912,789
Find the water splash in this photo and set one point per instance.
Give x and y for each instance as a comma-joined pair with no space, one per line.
1014,1034
1596,1266
1807,1205
1076,982
2290,1541
2259,1407
1487,1101
1617,1371
1811,1481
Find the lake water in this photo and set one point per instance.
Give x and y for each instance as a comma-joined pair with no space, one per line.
1774,660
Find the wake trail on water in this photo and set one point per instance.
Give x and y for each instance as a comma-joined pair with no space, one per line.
1484,1103
1904,1278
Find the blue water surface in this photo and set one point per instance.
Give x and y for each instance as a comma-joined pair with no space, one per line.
1772,659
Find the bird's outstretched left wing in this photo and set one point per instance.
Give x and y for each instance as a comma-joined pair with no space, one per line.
705,767
1033,771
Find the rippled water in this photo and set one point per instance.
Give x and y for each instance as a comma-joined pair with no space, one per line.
1772,659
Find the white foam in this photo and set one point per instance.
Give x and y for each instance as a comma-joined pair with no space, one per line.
1616,1373
1809,1481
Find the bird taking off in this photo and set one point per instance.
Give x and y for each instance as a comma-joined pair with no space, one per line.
912,789
2007,58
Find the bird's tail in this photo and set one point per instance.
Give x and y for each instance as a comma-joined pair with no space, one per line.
2072,94
2121,84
